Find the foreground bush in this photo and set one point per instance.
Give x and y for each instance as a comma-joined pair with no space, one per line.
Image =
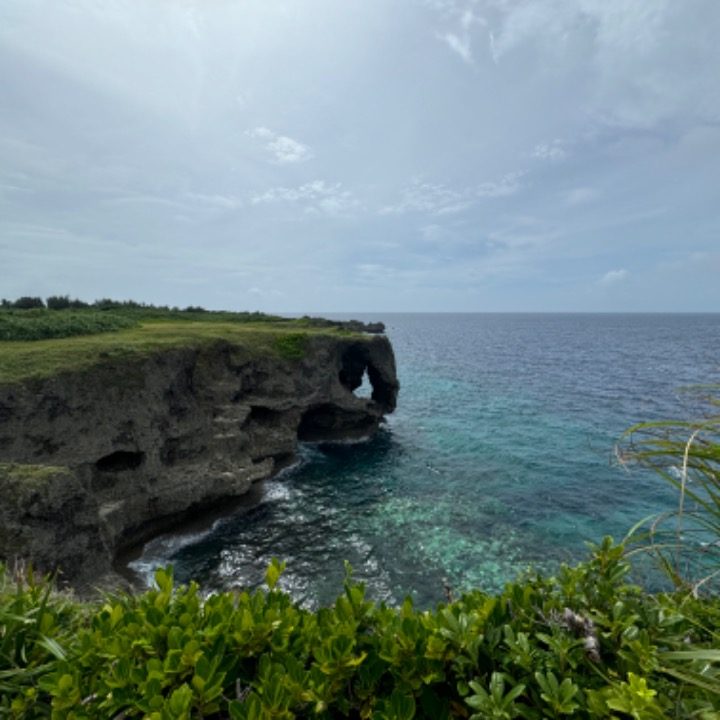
584,644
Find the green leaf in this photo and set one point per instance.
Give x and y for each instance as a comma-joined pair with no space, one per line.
403,706
180,700
53,647
272,574
164,579
708,655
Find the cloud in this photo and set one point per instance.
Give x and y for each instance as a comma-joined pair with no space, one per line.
518,239
435,234
316,197
552,150
186,201
144,200
151,124
431,198
439,199
509,184
469,18
223,202
283,149
459,45
639,56
581,195
460,40
613,277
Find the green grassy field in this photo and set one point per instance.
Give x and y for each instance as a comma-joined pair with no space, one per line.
25,359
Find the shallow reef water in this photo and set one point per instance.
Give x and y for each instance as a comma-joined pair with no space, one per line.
500,456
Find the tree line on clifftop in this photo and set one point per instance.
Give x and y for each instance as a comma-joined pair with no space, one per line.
65,302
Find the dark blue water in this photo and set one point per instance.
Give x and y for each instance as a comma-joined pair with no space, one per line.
499,456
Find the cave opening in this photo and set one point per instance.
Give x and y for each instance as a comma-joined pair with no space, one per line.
264,416
365,389
120,461
360,376
354,371
327,422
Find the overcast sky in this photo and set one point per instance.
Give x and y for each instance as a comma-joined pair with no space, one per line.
363,155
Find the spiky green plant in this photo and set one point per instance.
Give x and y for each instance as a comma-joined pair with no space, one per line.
685,540
686,454
36,625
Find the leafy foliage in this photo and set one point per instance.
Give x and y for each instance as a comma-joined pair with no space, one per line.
170,653
291,345
44,324
26,303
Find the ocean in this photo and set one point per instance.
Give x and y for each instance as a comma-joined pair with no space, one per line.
500,456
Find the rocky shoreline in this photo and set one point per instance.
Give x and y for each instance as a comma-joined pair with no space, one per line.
100,459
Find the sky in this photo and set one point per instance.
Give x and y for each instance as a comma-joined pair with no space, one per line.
363,155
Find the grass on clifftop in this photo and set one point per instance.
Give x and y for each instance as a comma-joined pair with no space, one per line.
26,359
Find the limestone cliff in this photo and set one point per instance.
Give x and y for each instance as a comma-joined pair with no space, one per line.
97,459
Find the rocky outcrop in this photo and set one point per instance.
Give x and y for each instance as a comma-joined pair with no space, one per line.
99,459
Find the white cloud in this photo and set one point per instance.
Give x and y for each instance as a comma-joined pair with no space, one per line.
133,123
469,18
432,198
439,199
518,240
434,233
8,187
613,276
147,200
642,65
459,45
460,40
283,149
552,150
494,54
581,195
316,197
224,202
509,184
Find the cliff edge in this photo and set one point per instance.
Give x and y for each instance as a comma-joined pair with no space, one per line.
100,457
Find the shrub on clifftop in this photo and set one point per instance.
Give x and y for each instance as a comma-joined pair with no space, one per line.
584,643
28,303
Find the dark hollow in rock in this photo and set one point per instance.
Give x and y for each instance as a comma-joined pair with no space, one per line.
6,412
280,460
120,461
261,415
181,449
327,422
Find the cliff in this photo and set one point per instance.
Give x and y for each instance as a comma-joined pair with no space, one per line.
102,456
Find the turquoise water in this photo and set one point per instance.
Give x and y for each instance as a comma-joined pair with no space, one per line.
499,456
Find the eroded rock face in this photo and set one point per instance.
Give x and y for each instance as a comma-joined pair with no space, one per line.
148,441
